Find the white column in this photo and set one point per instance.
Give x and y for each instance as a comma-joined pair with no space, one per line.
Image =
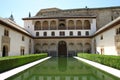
82,24
49,24
75,24
57,24
41,25
67,24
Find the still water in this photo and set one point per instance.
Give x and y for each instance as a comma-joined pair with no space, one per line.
63,69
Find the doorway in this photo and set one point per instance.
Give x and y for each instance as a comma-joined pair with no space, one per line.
62,49
5,51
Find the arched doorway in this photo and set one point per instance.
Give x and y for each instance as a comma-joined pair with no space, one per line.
87,48
5,51
62,48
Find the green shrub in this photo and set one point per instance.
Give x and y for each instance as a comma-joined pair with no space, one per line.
7,63
108,60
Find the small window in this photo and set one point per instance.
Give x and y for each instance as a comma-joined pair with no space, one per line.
87,33
53,33
62,33
79,33
29,40
101,37
117,31
23,38
6,32
37,33
45,33
71,33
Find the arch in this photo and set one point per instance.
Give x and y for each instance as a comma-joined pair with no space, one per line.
87,48
44,44
71,33
52,46
52,33
62,48
45,25
37,48
37,25
37,33
79,47
61,26
62,33
71,24
71,46
5,51
86,24
80,44
52,49
79,33
44,33
87,33
45,47
53,25
78,24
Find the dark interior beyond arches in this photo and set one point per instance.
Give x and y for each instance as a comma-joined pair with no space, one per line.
5,51
62,49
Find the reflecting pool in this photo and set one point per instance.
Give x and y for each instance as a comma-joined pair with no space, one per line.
63,68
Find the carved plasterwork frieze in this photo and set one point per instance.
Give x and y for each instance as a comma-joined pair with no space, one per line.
117,42
6,42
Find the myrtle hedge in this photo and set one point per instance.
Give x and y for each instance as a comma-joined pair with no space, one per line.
7,63
108,60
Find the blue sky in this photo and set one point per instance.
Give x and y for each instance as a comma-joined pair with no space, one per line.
21,8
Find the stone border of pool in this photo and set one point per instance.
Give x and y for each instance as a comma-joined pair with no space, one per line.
12,72
108,69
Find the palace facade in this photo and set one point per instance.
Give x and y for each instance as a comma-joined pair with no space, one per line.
63,32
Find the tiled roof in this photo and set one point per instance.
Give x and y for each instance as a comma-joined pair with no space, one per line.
109,25
68,12
12,24
59,16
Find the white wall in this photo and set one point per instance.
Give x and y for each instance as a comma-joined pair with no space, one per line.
93,27
1,34
93,45
108,42
75,32
30,23
32,46
16,43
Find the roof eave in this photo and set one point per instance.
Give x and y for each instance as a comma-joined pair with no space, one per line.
108,26
8,25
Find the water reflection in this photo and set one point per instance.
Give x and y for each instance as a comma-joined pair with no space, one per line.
62,64
63,69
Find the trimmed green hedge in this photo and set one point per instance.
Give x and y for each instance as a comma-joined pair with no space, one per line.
108,60
7,63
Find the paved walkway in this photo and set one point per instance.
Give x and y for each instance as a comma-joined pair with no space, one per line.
12,72
108,69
